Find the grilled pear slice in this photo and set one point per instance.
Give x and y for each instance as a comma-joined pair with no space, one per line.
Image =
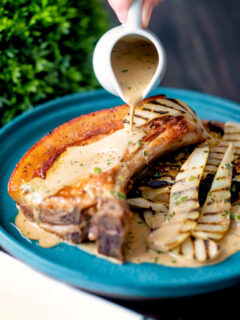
184,204
146,204
153,217
231,135
147,215
198,249
153,220
160,106
215,215
235,213
160,194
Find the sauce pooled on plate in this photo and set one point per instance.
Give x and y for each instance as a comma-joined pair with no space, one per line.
136,247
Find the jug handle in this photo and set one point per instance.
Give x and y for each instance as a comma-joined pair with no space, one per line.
134,15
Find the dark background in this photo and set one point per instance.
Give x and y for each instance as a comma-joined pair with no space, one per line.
202,43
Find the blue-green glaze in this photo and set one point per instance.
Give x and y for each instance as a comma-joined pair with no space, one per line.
81,269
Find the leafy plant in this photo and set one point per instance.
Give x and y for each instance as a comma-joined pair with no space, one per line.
45,50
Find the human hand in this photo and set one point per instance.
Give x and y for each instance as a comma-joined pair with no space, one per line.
121,8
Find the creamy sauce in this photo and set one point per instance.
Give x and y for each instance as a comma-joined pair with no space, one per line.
136,249
78,162
134,61
32,231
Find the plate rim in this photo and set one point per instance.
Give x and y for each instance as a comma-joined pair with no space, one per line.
19,250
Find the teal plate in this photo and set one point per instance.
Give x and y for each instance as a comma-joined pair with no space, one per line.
79,268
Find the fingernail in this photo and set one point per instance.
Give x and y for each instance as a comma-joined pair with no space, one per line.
146,15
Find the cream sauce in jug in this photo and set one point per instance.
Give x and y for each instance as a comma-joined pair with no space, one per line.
134,62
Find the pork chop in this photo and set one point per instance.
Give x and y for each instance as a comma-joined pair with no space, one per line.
73,181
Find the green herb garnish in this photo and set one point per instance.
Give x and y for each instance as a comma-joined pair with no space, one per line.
192,178
156,259
181,200
169,216
176,196
96,170
228,166
108,162
125,70
119,194
227,212
145,153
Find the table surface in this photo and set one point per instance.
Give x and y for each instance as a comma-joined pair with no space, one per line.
202,43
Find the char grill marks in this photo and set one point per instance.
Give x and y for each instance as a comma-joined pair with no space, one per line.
216,193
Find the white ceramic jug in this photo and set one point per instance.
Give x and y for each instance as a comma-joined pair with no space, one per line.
102,53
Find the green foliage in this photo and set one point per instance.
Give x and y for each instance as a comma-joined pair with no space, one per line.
45,50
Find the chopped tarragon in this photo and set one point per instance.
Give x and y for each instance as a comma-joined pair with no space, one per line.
96,170
118,194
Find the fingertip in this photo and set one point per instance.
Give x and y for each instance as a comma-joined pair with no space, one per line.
146,15
121,9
